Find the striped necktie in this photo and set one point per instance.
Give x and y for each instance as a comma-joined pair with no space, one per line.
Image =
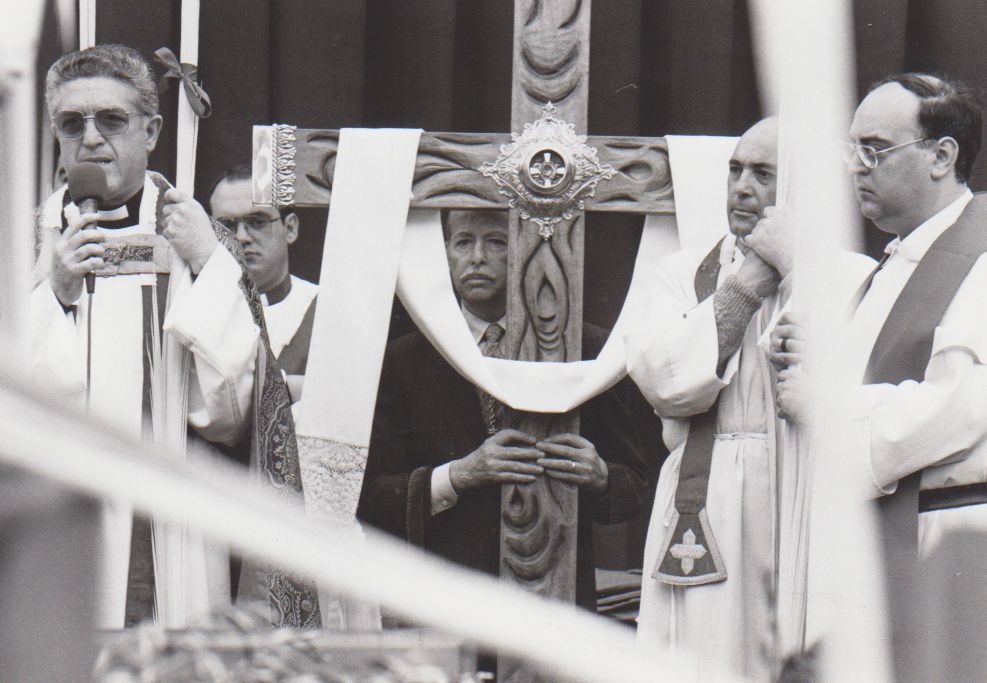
490,346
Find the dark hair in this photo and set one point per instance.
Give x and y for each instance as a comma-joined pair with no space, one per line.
446,217
446,228
233,174
107,61
948,108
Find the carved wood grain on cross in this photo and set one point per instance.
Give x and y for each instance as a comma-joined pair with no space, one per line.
545,304
447,174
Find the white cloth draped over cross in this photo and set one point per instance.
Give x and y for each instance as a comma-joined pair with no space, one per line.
373,242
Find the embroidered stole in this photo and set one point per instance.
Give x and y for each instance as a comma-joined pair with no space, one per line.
689,554
293,601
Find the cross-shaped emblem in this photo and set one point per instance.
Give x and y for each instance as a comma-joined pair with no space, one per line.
549,171
688,551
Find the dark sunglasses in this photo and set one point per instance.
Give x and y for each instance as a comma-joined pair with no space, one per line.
72,124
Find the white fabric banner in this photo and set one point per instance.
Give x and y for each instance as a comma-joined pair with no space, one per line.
426,291
699,175
698,163
371,189
370,196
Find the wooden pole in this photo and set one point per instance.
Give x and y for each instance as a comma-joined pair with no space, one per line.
545,306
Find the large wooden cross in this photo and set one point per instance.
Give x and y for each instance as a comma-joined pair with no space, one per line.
549,176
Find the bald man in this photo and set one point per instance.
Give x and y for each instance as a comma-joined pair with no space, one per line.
709,556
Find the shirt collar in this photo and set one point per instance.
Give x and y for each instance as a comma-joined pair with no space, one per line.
914,246
122,216
478,325
278,293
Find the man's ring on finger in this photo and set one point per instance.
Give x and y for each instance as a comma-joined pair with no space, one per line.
784,345
572,464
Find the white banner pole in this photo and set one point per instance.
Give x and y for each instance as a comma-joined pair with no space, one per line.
87,23
188,122
19,40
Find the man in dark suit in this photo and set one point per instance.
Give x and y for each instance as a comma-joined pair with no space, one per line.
438,449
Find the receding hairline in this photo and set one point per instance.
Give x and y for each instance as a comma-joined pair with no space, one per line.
765,130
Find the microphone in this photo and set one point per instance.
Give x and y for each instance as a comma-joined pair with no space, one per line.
87,187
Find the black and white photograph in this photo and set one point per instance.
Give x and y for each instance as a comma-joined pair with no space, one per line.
514,341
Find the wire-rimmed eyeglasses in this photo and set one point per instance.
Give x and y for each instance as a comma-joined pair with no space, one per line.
868,155
257,225
112,121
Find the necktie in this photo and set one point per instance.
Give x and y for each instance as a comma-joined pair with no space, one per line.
490,346
865,286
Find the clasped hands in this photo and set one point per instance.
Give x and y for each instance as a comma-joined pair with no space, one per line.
514,457
79,249
768,250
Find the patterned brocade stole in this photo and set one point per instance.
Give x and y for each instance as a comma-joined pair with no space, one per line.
294,602
689,555
493,411
273,457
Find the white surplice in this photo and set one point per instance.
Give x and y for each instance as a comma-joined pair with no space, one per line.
938,425
284,317
673,357
209,317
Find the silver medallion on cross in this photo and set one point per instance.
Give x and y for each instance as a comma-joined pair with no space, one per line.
547,171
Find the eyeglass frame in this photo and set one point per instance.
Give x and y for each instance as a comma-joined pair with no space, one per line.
856,150
92,117
245,220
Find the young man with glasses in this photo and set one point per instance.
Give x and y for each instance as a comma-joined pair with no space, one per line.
165,322
265,234
916,341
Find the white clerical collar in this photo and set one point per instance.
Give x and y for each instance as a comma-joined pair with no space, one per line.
731,257
914,246
116,214
108,215
478,325
730,250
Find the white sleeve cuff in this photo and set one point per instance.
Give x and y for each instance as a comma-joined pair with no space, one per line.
674,362
443,494
212,319
207,311
857,441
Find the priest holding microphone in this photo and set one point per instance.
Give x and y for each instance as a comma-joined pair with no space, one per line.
160,338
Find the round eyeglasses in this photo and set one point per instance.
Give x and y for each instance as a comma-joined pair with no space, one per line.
868,155
257,225
72,124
